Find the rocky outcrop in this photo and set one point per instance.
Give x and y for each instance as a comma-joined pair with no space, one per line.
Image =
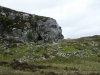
24,27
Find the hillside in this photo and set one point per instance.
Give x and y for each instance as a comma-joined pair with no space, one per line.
67,57
34,45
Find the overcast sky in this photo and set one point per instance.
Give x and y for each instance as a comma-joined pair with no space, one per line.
77,18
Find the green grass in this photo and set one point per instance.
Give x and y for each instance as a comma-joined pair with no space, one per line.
32,53
10,71
40,54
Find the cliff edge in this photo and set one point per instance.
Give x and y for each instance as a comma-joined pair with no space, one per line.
25,27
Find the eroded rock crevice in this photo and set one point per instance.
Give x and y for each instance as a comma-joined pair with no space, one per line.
27,27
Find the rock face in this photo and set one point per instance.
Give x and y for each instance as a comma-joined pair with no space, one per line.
24,27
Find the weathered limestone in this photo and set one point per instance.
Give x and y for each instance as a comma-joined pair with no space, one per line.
29,27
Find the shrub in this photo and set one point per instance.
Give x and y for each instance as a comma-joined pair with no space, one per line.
29,35
5,21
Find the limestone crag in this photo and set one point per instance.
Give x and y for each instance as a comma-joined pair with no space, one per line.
25,27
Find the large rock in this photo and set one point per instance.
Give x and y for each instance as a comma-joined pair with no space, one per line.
26,27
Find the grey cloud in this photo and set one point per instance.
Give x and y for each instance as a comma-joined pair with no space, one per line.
32,4
84,24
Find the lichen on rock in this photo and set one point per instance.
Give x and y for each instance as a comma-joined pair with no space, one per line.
27,27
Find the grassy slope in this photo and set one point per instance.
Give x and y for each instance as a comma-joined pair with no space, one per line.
45,55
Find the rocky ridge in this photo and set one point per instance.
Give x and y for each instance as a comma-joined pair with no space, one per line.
24,27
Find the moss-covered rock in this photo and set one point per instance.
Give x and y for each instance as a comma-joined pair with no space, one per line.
19,25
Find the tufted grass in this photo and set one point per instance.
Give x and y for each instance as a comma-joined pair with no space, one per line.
10,71
32,53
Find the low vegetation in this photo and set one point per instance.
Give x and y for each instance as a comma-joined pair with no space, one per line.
66,57
6,23
29,35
